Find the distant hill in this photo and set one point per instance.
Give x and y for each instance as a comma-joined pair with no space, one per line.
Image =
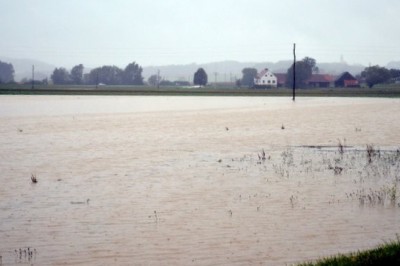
23,68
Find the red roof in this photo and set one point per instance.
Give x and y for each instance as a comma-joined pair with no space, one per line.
262,73
318,78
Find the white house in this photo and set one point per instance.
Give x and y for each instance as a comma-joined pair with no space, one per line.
266,79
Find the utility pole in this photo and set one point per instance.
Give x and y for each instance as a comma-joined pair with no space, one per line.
33,77
294,72
97,78
158,79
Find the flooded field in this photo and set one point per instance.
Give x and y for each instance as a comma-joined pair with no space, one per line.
195,180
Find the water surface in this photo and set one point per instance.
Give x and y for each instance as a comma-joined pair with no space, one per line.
182,180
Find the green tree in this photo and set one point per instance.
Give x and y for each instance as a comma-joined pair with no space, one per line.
6,72
93,77
132,74
238,83
249,74
375,75
109,75
77,74
60,76
153,80
311,63
394,73
304,70
200,77
112,75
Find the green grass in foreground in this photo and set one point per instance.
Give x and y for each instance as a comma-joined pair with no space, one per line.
386,254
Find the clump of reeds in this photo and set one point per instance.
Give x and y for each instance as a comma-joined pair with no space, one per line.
371,152
287,157
341,146
262,156
25,255
337,170
392,191
293,200
280,170
376,197
33,178
155,217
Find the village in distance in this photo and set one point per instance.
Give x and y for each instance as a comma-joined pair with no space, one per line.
262,75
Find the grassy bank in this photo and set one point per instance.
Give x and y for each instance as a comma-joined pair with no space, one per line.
386,254
208,91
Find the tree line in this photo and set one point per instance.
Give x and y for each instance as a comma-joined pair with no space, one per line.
6,72
306,67
377,75
132,75
156,80
109,75
200,79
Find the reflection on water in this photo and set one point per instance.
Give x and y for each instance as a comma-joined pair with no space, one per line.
183,180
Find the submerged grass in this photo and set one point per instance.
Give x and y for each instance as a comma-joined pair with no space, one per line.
385,254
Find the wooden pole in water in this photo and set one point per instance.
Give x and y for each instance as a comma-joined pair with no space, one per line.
294,72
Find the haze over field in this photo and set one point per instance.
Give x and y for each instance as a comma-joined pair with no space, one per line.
94,33
227,70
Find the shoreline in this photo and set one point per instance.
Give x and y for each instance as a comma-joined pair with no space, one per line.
383,92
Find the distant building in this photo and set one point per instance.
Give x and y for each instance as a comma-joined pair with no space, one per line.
281,79
265,79
320,81
346,80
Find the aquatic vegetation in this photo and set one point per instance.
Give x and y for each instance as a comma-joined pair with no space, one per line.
341,146
25,255
371,152
261,156
337,170
33,178
280,170
392,193
287,157
375,182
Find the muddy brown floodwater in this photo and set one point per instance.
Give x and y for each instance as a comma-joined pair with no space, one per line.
195,180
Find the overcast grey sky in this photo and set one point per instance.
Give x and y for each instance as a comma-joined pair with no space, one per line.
163,32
